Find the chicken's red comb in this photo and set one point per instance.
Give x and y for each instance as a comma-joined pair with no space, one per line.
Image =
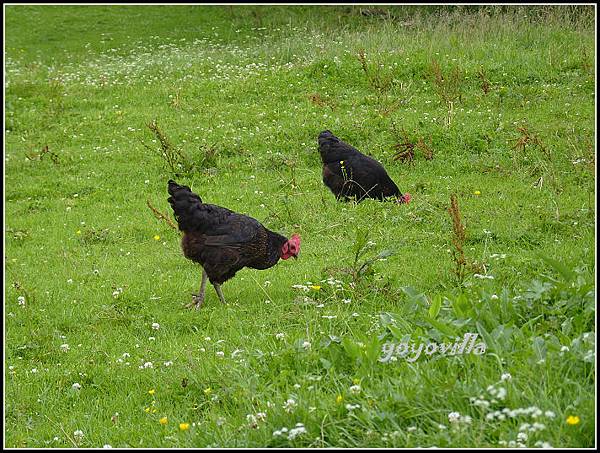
404,198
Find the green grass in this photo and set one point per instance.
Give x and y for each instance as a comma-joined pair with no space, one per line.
242,93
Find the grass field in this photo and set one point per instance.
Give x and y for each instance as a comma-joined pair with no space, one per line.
494,106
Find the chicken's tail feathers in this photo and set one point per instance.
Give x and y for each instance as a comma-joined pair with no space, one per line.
332,149
326,138
185,204
326,133
179,190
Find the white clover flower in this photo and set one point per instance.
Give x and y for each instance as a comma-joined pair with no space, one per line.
453,417
34,370
351,407
481,403
346,301
280,336
155,325
536,413
78,434
506,377
107,446
290,405
306,344
252,421
302,287
501,393
538,426
355,389
64,347
297,431
76,386
220,354
549,414
21,300
146,365
522,436
262,416
206,338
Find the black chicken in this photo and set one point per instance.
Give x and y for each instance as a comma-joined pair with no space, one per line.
350,174
223,241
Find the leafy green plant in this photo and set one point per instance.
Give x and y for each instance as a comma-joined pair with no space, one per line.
177,161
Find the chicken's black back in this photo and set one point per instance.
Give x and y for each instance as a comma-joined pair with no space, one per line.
350,174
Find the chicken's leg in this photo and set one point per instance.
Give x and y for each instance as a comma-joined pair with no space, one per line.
197,299
219,292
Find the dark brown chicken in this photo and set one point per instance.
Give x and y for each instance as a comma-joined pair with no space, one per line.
350,174
223,241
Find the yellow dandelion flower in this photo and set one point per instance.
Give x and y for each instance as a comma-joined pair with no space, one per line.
315,287
184,426
573,419
163,421
78,232
477,192
156,237
151,391
339,399
154,410
147,409
356,381
207,391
